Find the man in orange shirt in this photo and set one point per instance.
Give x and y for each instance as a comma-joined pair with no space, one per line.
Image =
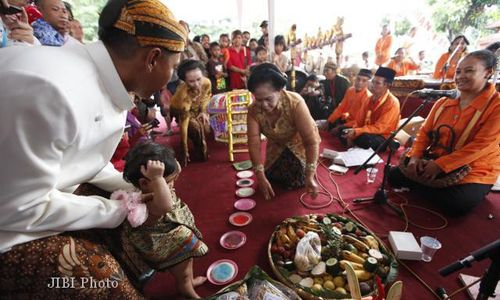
381,114
458,135
350,111
383,47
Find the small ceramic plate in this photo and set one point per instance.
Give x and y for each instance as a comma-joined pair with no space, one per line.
244,182
240,218
222,271
244,174
233,240
244,204
245,192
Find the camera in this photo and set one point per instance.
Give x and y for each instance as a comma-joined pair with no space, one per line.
11,10
155,123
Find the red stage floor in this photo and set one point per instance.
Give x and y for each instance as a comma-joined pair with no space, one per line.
209,190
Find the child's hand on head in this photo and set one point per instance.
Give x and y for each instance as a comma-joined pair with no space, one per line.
154,169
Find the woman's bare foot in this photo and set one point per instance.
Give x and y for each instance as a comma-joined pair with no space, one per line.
197,281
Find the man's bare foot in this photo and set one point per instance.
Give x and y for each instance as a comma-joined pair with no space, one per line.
197,281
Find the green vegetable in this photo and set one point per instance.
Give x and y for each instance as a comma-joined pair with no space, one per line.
370,264
350,227
332,266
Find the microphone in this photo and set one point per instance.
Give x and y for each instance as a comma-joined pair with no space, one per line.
430,93
442,293
487,251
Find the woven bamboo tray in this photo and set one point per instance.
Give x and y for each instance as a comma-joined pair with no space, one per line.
303,293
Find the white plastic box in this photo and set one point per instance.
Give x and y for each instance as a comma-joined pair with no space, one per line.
405,245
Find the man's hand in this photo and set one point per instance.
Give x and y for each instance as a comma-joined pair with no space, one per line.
348,133
19,29
154,169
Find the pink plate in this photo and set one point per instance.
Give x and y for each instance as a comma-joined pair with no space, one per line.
222,271
244,204
244,182
240,218
233,240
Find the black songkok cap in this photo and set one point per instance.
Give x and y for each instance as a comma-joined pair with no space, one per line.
387,73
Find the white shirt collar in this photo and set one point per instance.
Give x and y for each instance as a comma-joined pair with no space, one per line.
109,75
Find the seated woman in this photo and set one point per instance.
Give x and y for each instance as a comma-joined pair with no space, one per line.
163,233
456,155
189,107
439,72
292,136
402,64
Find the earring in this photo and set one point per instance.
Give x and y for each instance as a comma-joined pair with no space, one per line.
150,68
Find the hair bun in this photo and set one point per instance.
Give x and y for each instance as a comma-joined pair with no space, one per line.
266,72
266,67
269,68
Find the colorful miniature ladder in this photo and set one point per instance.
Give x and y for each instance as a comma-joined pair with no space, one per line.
241,99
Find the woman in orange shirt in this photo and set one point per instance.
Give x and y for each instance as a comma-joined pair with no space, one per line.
456,155
460,41
401,64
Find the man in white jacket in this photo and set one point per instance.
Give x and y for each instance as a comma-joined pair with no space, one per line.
63,114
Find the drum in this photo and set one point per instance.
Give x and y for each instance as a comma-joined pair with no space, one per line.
300,80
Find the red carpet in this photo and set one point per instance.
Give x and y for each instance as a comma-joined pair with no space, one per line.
209,190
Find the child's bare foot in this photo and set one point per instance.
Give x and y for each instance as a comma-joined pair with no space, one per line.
197,281
187,290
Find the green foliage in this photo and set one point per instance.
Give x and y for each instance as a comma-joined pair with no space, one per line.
386,20
215,28
402,27
455,17
87,12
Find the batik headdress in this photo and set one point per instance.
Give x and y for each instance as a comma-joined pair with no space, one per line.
150,21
